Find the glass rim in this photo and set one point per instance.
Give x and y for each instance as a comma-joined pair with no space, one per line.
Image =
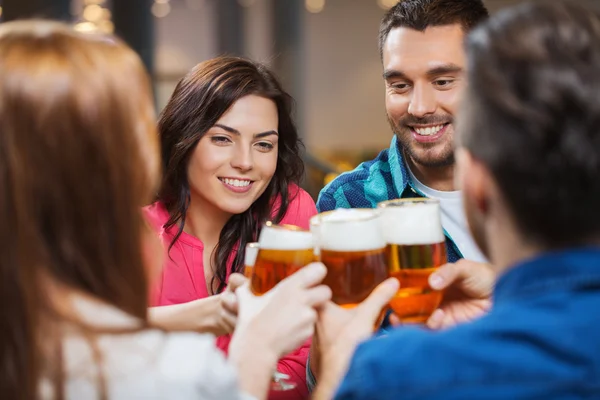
372,214
287,227
406,201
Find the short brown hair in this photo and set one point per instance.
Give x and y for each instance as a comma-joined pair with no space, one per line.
532,115
420,14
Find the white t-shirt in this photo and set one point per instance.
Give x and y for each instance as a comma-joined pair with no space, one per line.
454,220
149,364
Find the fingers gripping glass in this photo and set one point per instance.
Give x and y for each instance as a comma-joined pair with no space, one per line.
415,247
350,244
280,252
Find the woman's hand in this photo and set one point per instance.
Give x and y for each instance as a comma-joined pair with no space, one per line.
215,314
285,317
274,324
340,330
226,313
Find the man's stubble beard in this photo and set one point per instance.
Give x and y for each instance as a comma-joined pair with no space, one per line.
403,135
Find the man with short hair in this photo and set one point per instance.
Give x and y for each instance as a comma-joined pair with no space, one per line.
528,164
421,48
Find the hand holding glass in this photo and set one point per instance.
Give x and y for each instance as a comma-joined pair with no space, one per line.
350,244
415,248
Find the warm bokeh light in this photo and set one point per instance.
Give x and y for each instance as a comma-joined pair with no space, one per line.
95,17
93,12
86,27
161,10
387,4
315,6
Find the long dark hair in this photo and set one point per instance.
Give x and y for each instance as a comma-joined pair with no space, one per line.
199,100
77,150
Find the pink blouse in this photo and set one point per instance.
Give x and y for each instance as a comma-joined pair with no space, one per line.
182,279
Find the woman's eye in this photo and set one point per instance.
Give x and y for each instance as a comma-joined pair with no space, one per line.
220,139
265,146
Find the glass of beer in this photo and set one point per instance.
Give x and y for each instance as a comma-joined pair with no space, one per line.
250,258
351,245
283,249
415,248
279,381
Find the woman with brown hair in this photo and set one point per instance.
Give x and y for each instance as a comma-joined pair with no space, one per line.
78,159
231,162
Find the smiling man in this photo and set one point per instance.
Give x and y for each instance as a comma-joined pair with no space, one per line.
421,47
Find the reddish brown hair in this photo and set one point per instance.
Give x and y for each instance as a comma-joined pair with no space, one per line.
78,158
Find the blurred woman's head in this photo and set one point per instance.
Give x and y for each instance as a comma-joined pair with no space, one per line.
78,158
230,147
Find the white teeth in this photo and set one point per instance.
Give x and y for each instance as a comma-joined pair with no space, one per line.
430,130
236,182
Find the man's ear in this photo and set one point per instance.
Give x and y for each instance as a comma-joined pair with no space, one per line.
473,178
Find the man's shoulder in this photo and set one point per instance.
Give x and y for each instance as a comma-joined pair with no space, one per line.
364,171
407,361
514,356
351,189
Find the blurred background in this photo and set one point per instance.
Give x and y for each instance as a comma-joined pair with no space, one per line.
324,51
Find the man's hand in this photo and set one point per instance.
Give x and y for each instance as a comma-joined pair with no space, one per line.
340,330
468,286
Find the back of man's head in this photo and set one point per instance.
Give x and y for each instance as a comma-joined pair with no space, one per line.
532,116
420,14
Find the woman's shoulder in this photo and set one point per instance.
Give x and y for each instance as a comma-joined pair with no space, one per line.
301,207
189,365
298,195
197,356
157,215
141,361
156,365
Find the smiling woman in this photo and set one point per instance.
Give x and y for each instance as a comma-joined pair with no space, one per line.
231,161
234,162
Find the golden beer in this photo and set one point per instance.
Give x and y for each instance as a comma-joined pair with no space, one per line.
352,275
350,244
415,248
283,250
411,265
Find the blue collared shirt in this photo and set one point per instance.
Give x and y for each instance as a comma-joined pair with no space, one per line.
384,178
541,340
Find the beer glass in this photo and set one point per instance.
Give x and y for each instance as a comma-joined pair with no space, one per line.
279,381
351,245
415,248
250,258
283,249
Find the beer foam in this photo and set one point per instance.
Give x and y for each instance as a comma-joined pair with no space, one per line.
273,237
417,223
349,230
314,229
251,253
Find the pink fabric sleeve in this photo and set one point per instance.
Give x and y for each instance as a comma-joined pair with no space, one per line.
155,218
302,207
